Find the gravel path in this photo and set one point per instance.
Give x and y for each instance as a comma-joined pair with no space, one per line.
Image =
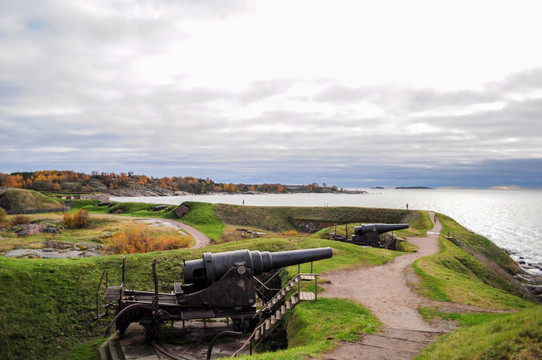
200,239
385,291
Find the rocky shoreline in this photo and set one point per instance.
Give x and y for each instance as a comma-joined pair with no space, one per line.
165,192
147,192
529,275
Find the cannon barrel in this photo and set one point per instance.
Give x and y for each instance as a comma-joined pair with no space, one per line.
213,266
379,228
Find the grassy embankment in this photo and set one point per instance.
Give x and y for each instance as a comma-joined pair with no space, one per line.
48,306
467,277
478,273
52,315
481,276
494,336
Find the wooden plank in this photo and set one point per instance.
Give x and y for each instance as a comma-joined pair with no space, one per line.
306,296
112,293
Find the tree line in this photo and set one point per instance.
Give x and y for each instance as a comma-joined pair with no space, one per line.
76,182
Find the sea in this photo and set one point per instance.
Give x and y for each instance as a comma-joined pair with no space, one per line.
512,219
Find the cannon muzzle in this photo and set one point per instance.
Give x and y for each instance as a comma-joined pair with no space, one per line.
379,228
213,266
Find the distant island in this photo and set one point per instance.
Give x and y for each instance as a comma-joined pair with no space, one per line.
413,187
130,184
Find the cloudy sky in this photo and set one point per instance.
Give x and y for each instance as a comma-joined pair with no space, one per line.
352,93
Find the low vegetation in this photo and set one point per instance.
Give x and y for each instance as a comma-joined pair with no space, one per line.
476,244
458,276
504,336
138,238
338,319
129,208
48,307
78,220
3,215
19,220
56,299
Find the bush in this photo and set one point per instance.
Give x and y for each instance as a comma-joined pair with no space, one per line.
138,239
3,215
78,220
19,220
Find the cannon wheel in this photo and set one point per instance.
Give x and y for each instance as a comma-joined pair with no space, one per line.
159,316
122,320
244,324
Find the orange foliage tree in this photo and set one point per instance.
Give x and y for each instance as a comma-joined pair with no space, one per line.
78,220
137,238
3,215
19,220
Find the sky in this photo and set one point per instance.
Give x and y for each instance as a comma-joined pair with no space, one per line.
347,93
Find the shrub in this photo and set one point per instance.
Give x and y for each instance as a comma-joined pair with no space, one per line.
78,220
3,215
139,239
19,220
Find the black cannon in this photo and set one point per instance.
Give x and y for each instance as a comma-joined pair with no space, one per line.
378,228
217,286
213,266
369,235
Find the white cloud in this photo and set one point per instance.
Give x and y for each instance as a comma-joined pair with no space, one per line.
297,84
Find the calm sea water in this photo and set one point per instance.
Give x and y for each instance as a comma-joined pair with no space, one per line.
512,219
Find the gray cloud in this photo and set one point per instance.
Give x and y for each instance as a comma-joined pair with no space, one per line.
125,86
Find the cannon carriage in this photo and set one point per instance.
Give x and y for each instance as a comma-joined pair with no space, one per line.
219,285
370,235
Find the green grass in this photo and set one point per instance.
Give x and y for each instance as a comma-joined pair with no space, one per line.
48,306
457,276
202,216
85,351
279,219
510,336
127,208
315,327
462,320
99,229
472,242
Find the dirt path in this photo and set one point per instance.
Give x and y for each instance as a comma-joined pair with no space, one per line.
200,239
384,290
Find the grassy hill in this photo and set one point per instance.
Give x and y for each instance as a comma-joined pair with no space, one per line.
19,199
212,218
47,307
